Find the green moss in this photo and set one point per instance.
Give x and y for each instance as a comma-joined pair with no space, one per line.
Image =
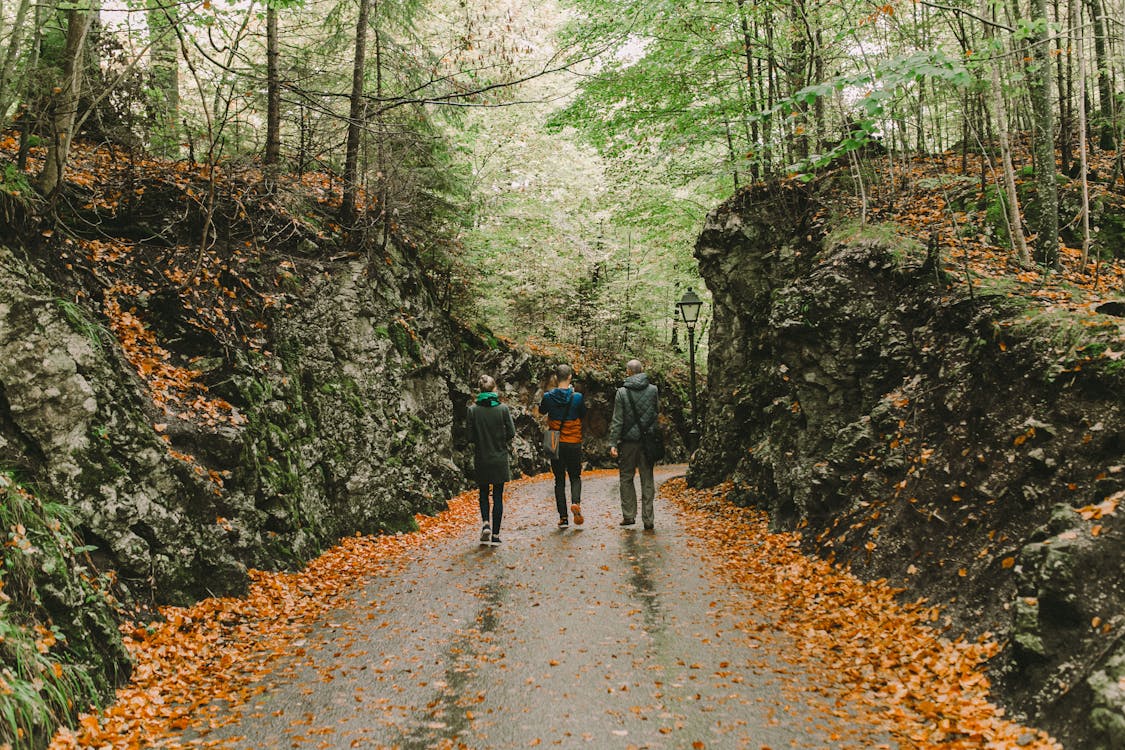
1071,341
900,246
82,324
405,341
996,213
401,524
13,181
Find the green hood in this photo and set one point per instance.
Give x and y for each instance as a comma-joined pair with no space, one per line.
488,398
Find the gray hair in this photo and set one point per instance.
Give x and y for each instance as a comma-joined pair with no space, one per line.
563,373
634,366
487,383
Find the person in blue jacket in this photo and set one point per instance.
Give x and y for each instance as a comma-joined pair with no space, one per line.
565,409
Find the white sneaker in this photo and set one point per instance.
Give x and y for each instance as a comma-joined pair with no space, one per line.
486,534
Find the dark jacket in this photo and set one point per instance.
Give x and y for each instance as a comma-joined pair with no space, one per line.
564,416
624,428
491,431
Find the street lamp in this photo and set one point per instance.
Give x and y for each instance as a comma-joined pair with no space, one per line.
689,307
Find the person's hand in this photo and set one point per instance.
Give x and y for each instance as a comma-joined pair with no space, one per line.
613,452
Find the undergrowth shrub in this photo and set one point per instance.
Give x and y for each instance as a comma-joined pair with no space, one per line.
54,614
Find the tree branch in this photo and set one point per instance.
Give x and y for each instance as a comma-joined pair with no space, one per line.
970,14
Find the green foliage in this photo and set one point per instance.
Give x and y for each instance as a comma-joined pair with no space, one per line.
405,340
48,670
13,181
882,87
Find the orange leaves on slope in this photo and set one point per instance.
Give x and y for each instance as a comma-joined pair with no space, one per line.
206,658
1107,507
926,690
915,198
171,386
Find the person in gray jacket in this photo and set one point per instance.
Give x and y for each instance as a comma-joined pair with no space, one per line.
636,403
491,431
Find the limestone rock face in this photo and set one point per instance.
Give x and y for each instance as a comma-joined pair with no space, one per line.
352,423
945,441
78,423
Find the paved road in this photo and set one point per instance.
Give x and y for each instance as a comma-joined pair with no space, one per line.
595,637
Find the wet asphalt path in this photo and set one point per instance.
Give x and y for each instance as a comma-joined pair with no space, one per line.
595,636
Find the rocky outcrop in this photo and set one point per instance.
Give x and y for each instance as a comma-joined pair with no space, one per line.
343,413
969,448
73,421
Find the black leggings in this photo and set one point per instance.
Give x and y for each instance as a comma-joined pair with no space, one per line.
569,462
497,505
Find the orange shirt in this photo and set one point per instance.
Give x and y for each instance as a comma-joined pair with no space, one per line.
571,429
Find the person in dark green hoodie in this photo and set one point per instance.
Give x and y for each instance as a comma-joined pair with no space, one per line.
491,431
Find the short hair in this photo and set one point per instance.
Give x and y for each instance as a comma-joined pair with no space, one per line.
487,383
634,366
563,372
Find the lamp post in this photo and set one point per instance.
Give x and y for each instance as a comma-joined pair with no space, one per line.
689,307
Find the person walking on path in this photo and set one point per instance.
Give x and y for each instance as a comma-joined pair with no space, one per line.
635,405
491,431
565,409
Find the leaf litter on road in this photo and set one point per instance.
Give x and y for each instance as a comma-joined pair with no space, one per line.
202,663
885,662
926,690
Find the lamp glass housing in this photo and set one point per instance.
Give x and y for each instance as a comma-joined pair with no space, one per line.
689,306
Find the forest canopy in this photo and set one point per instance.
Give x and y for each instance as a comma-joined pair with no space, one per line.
572,147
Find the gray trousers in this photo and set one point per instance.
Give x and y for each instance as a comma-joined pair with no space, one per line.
630,460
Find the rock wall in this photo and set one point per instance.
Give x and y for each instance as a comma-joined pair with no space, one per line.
968,448
347,393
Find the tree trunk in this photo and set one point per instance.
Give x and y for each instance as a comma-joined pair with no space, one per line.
355,119
755,101
64,104
797,67
1062,75
1083,159
7,68
732,155
273,90
24,124
1043,140
1107,127
164,60
381,167
1015,220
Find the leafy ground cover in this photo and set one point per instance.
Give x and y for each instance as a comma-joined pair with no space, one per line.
932,201
927,689
200,665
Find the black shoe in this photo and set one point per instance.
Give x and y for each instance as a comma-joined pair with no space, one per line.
627,522
649,527
564,522
495,541
485,534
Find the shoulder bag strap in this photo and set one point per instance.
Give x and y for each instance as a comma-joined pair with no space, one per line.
566,414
